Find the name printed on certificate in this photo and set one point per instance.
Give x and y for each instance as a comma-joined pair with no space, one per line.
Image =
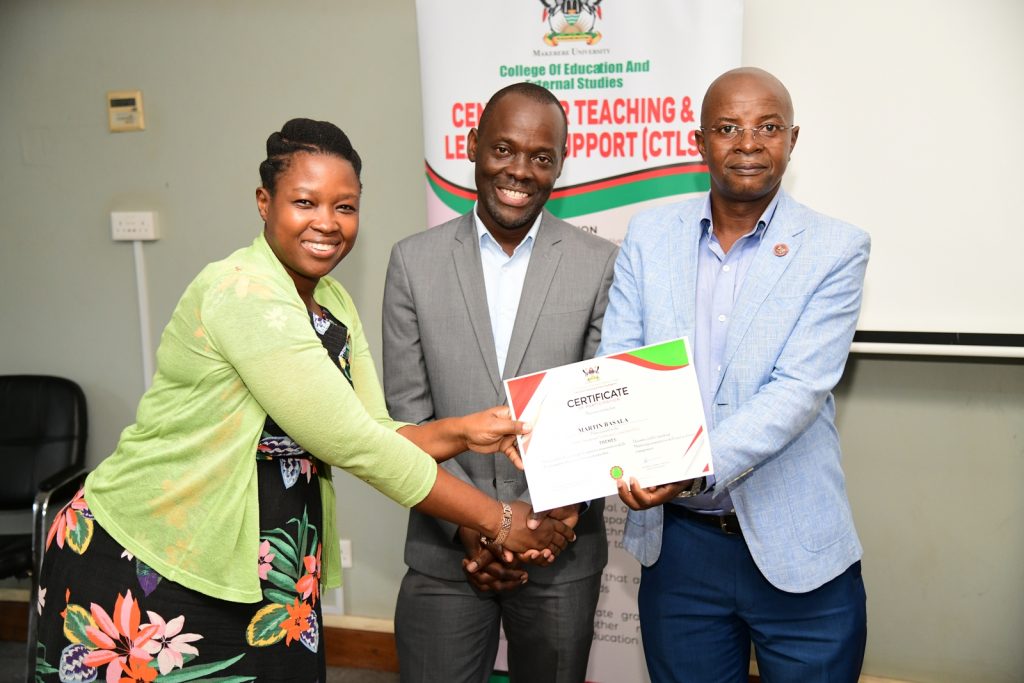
633,414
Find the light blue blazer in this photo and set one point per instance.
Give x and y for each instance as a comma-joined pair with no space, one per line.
775,445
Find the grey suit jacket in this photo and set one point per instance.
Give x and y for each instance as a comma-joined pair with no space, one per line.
439,361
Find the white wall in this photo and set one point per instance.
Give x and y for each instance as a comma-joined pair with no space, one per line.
934,449
906,112
217,78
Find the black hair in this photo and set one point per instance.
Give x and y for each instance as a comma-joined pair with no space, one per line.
305,135
529,90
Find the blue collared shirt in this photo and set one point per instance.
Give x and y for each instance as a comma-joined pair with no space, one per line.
504,276
720,277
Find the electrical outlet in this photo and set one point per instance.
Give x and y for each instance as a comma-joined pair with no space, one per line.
332,601
346,553
128,226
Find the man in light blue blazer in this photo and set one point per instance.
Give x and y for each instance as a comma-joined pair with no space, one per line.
768,292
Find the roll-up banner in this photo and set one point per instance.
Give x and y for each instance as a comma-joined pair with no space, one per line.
630,75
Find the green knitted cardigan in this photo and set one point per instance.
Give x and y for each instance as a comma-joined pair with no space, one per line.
180,491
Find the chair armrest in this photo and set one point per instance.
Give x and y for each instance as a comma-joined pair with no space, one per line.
64,481
57,481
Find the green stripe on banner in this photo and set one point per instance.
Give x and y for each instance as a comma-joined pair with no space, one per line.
459,205
599,200
628,193
671,353
498,678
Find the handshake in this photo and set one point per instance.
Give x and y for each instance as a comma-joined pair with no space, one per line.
526,537
493,567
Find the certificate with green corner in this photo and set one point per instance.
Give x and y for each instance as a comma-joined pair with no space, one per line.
634,414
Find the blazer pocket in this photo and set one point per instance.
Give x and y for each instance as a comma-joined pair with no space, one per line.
818,516
568,306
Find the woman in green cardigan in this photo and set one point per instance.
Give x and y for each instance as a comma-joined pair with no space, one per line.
197,550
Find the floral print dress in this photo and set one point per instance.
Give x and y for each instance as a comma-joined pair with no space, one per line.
105,615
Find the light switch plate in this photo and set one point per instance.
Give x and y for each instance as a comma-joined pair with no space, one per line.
346,553
128,226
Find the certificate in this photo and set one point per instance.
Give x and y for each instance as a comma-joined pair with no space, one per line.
634,414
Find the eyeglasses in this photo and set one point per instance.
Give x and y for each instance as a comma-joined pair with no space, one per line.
728,131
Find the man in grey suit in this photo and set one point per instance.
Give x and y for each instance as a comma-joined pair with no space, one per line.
504,290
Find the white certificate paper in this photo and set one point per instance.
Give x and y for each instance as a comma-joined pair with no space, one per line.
634,414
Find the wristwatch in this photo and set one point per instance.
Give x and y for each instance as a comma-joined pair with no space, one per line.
698,487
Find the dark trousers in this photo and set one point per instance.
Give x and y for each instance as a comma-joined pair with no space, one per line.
704,601
447,632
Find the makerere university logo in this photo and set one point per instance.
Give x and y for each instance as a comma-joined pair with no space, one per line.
572,20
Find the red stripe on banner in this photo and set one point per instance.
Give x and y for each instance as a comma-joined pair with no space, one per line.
582,188
627,179
645,363
521,390
695,437
463,192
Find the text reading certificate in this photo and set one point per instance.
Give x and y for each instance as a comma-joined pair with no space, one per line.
634,414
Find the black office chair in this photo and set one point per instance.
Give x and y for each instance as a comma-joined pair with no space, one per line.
43,428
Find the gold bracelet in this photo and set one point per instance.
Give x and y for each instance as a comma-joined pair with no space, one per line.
506,526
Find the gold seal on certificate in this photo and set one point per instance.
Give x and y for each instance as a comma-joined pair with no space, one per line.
633,414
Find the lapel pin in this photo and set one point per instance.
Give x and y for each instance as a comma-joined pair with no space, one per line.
781,249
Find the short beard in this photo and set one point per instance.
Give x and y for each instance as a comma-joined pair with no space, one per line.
495,209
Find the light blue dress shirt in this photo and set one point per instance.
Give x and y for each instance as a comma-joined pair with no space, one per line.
504,276
720,277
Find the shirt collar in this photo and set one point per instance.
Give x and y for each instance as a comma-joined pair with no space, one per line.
484,234
762,223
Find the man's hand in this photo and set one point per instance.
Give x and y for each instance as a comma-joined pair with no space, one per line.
637,498
568,515
486,571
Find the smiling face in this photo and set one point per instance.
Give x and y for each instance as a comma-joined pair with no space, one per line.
518,151
748,168
311,218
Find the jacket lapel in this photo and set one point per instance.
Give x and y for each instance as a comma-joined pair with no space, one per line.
682,251
543,263
469,271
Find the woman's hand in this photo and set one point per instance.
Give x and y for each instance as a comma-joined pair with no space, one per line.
488,431
512,452
548,537
492,430
568,515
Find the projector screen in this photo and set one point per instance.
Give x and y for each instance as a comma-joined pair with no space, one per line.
911,122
